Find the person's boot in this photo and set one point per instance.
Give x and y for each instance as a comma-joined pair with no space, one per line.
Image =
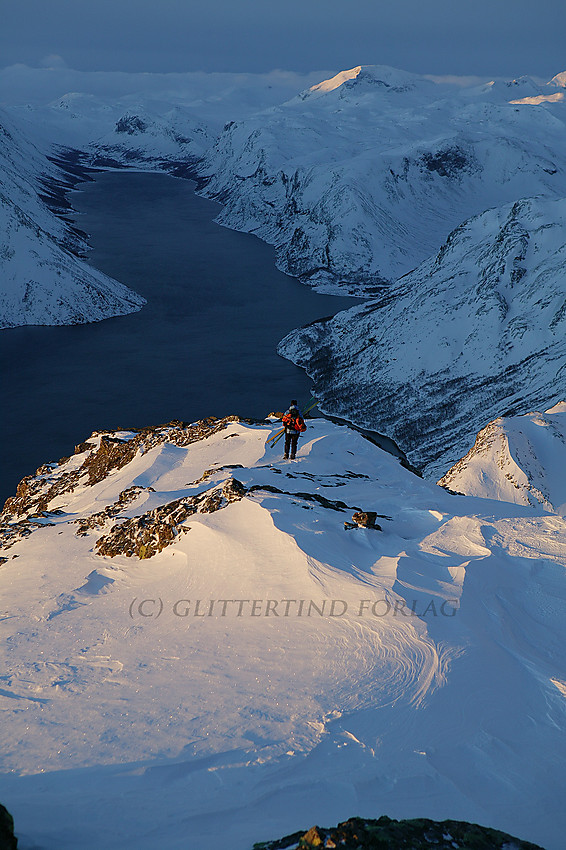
286,457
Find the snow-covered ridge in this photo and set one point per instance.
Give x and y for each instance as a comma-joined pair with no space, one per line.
476,329
517,459
361,178
43,280
189,623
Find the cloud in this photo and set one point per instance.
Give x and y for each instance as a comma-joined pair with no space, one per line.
53,60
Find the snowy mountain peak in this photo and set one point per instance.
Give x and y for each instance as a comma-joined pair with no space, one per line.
333,83
368,78
518,459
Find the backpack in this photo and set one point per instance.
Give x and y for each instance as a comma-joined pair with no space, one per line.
296,423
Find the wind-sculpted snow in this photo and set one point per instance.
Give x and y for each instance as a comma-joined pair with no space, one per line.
189,627
478,329
44,282
361,178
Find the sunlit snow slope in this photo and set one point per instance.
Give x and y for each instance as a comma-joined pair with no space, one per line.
517,459
413,670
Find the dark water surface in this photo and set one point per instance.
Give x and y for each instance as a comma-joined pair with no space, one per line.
203,345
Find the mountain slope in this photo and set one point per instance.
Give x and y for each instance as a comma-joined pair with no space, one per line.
362,177
198,646
43,280
514,459
479,328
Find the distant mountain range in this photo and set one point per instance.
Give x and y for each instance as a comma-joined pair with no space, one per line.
442,202
359,179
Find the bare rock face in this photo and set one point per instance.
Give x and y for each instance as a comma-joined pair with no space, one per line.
366,519
146,535
114,453
105,452
34,492
100,518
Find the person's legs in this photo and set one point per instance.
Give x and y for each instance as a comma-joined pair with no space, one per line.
287,444
294,438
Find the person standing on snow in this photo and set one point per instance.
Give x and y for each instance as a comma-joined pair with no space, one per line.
294,425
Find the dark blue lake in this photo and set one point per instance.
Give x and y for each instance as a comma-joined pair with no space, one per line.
203,345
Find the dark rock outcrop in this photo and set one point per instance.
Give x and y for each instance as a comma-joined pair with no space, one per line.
8,841
146,535
28,509
364,519
389,834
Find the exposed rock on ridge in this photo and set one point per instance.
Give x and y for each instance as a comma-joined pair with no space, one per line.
106,452
384,833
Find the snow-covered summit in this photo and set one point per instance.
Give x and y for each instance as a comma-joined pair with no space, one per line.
190,626
364,78
517,459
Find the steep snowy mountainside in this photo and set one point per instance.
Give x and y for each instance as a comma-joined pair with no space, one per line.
518,459
359,179
477,329
43,280
191,627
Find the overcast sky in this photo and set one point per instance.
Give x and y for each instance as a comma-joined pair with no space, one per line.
484,37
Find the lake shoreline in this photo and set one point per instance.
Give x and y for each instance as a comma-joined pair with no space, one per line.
204,344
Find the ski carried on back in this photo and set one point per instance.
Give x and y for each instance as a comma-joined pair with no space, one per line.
271,441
